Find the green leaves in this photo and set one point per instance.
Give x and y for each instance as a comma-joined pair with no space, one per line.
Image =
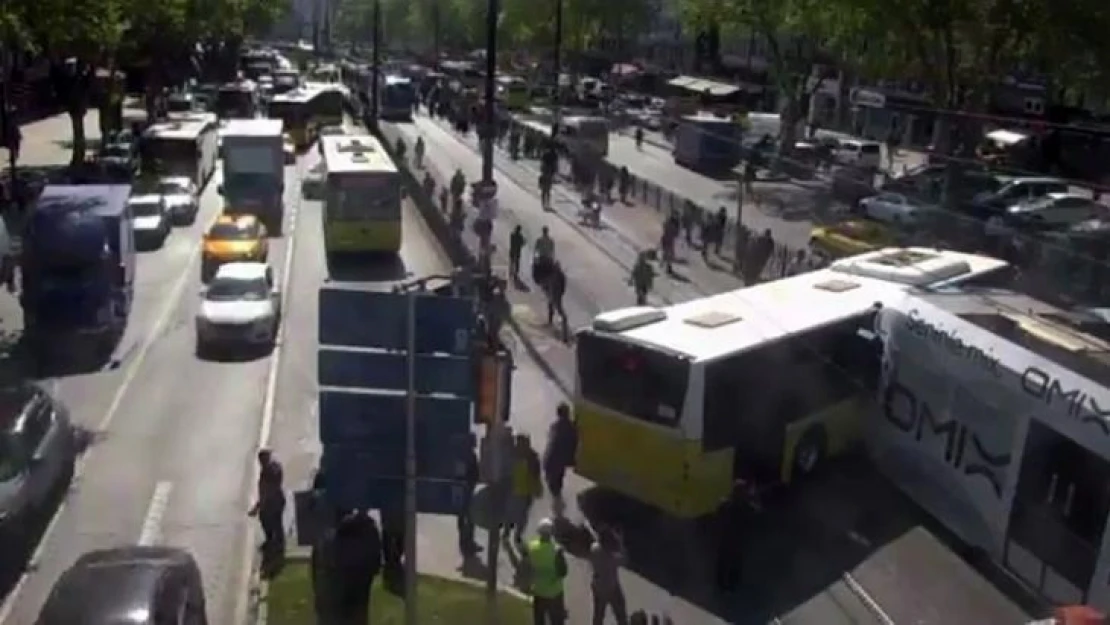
958,47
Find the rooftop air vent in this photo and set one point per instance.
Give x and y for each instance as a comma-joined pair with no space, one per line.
712,319
836,286
359,157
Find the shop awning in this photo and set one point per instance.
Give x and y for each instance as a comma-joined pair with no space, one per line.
702,85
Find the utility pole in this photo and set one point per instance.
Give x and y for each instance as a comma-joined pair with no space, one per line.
558,62
376,60
490,126
436,34
9,126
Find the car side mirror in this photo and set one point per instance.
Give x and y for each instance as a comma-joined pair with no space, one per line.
275,293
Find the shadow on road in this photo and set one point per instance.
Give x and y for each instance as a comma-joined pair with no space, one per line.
800,544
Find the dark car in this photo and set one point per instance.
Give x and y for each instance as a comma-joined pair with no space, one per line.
119,160
38,452
133,585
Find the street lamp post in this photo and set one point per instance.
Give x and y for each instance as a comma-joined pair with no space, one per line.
558,63
489,129
376,60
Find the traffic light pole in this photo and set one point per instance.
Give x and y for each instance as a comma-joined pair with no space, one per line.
558,62
410,470
490,130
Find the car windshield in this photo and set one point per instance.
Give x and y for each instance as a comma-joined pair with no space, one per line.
172,187
231,232
237,289
146,209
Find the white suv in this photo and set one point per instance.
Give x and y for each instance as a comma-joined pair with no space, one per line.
240,307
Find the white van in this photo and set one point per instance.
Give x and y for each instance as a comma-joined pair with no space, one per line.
860,153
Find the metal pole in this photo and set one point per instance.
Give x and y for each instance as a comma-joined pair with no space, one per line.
495,433
410,470
492,11
376,60
435,34
7,124
558,62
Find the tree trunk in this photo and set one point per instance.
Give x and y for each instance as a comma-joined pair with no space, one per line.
789,116
77,110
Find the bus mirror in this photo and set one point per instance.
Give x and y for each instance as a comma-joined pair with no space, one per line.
220,189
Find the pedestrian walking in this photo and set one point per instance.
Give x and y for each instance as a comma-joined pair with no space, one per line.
556,287
606,559
525,487
357,562
558,455
464,521
546,568
516,248
269,506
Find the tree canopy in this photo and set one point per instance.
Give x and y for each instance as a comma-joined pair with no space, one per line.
524,24
79,37
957,48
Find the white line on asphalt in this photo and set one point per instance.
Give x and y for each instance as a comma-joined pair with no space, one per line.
151,533
868,601
246,562
161,321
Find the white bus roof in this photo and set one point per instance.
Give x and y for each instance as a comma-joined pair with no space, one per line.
726,323
252,128
186,129
1021,332
355,153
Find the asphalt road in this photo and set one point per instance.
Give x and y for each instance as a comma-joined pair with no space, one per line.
834,555
295,436
174,437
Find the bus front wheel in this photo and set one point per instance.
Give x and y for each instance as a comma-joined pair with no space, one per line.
809,453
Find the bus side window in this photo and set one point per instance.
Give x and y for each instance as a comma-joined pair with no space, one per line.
741,396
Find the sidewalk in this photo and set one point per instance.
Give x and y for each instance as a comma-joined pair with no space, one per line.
545,371
635,226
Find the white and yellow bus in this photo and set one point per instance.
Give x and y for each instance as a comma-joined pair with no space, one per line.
762,383
362,201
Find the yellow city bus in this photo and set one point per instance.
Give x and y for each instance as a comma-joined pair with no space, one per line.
362,200
293,109
765,383
514,92
326,102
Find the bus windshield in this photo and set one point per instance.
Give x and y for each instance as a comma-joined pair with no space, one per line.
328,103
398,94
353,197
290,113
632,380
235,102
168,157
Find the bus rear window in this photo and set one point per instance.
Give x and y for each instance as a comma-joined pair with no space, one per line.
632,380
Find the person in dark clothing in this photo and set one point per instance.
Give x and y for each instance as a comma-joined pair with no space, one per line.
556,288
270,504
558,455
761,250
643,277
358,550
546,182
625,184
516,247
464,521
689,221
393,540
721,219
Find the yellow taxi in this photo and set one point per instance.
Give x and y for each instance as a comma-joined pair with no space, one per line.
233,238
851,237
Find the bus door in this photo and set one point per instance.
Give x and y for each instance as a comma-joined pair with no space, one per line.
1058,518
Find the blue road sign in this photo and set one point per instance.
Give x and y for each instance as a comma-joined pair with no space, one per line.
366,319
367,492
363,410
348,418
453,375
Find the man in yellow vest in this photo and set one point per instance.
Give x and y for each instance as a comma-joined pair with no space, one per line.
546,567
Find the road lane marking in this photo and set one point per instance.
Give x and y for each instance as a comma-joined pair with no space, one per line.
160,323
865,597
242,589
151,533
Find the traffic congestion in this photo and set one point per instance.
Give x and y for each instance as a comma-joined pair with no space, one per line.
720,414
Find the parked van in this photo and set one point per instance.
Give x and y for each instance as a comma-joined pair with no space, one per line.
860,153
